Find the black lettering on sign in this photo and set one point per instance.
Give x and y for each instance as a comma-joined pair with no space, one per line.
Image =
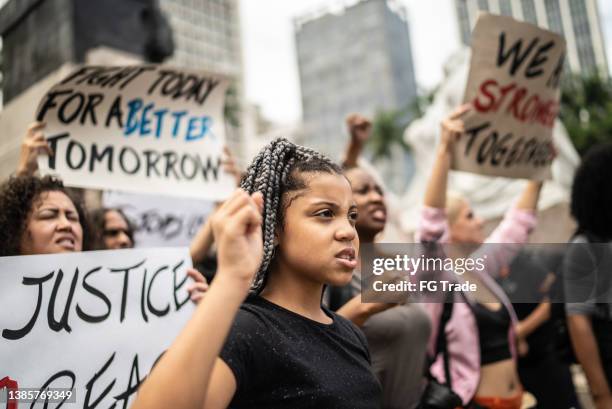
123,161
535,66
20,333
516,53
143,291
62,324
96,293
82,155
92,381
115,113
99,157
67,112
50,102
150,163
472,134
181,85
125,271
92,102
177,286
156,311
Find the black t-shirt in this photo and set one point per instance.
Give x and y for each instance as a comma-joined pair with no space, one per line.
281,359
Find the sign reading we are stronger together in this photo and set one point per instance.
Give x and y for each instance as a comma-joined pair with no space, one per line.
145,129
513,86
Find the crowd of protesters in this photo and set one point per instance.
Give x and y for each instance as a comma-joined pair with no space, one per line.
283,318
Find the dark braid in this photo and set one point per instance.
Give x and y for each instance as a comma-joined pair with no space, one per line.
273,172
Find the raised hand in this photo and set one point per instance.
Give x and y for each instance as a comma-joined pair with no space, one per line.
359,128
198,288
33,144
453,127
236,227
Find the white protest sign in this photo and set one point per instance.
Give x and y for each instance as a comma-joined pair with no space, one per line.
513,86
147,129
160,221
94,322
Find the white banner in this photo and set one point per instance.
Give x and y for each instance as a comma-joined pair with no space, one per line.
146,129
513,84
160,221
93,322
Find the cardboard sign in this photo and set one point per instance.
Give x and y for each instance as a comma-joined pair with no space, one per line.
147,129
93,322
513,85
160,221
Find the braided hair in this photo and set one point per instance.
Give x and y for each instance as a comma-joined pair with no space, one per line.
274,172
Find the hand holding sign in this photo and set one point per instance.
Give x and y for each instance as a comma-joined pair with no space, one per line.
453,127
237,231
33,144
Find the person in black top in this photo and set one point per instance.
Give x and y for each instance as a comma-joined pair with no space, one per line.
284,348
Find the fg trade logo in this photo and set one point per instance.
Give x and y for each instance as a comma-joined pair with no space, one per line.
11,388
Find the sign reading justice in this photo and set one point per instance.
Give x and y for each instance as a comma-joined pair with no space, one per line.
513,85
146,129
93,323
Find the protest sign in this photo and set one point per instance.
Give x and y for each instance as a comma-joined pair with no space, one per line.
513,85
160,221
92,322
147,129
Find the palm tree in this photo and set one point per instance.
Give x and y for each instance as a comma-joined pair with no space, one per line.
586,110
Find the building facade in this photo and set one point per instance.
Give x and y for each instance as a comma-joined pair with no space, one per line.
207,36
353,58
577,20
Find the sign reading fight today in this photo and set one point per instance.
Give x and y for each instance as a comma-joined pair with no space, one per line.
146,129
513,85
93,323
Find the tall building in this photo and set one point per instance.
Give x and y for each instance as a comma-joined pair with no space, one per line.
353,58
207,36
577,20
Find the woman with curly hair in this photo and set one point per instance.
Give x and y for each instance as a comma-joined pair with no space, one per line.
40,216
586,273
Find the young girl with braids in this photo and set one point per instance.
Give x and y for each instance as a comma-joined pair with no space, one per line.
284,349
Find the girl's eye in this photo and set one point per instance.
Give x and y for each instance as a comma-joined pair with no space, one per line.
353,216
326,213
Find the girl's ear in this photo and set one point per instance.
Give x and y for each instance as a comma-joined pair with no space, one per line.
276,240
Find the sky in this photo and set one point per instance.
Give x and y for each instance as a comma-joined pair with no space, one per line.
270,62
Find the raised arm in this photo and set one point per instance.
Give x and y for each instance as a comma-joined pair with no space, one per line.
359,128
180,379
451,129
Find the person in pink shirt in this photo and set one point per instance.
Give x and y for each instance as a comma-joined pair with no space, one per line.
480,336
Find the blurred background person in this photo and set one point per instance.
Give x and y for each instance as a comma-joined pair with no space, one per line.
113,229
586,273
